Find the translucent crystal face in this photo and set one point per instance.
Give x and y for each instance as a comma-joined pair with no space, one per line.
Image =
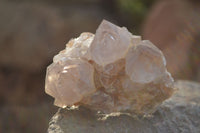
110,43
66,80
77,48
111,71
145,63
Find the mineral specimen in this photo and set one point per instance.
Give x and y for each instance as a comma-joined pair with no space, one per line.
111,71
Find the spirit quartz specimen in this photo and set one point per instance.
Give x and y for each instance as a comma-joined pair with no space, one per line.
111,71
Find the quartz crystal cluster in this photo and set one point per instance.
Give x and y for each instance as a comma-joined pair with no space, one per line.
111,71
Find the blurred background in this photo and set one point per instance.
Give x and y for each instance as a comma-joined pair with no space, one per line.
33,31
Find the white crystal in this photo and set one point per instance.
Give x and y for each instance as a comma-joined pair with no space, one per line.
111,71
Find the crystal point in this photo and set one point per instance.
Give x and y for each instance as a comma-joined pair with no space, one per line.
107,45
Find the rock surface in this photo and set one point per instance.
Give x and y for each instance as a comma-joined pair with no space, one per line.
179,114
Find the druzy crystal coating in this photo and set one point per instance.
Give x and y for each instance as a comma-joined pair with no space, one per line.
111,71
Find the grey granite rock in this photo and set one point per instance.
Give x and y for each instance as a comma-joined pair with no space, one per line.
179,114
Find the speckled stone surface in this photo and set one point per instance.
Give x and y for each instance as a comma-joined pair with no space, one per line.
179,114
